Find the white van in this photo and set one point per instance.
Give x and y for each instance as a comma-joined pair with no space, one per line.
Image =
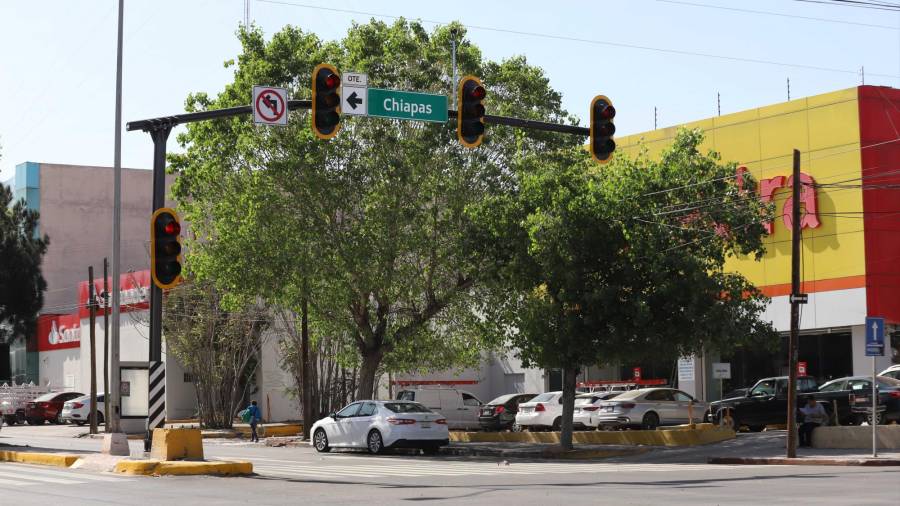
459,407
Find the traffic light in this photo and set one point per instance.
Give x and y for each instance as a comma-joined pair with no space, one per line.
602,129
470,117
165,247
326,101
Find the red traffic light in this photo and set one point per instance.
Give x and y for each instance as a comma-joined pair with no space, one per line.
332,81
602,130
608,112
172,228
476,93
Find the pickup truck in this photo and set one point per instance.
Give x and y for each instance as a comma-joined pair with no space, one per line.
764,404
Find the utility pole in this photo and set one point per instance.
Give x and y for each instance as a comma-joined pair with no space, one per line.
654,117
719,103
789,88
112,416
795,311
106,343
92,308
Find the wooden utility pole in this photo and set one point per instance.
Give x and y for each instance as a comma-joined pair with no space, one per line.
92,307
795,311
106,344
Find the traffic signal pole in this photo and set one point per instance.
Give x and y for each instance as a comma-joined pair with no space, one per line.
794,337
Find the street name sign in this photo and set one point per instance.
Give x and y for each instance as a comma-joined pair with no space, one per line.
407,105
874,337
354,94
270,105
721,370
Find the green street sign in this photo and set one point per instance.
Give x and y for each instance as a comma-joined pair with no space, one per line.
407,105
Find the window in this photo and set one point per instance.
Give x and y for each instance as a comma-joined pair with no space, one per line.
406,407
834,386
766,387
682,397
547,397
659,395
406,395
368,409
100,399
857,385
349,411
807,385
469,400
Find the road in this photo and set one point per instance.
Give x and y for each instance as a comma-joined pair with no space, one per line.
300,475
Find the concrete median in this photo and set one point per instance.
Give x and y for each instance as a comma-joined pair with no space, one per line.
183,468
670,436
44,459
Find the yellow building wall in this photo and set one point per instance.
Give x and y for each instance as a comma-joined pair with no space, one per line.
825,128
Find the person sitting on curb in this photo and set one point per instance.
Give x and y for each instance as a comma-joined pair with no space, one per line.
255,417
813,416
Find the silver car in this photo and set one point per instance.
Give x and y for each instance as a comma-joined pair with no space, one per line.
649,408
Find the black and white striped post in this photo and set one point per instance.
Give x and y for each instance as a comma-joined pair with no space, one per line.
157,412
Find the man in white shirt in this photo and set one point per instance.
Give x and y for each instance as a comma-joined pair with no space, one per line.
813,416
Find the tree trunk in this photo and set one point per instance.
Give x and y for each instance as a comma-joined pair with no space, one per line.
568,402
365,388
308,416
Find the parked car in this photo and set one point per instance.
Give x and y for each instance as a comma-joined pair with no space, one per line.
48,407
888,406
737,392
380,425
541,412
648,408
764,404
891,372
460,408
500,413
587,406
78,410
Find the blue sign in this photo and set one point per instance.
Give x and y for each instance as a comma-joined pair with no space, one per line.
874,337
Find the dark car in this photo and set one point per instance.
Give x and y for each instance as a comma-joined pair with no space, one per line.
500,413
737,392
764,404
860,399
48,407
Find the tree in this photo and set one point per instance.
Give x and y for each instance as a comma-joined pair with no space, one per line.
21,283
366,227
218,345
622,262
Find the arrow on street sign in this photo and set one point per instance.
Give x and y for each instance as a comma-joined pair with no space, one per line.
354,100
874,336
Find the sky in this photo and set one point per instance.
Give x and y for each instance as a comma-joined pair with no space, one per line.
57,63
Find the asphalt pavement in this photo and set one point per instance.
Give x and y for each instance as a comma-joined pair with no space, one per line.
294,475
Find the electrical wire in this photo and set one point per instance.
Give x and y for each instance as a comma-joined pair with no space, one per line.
779,14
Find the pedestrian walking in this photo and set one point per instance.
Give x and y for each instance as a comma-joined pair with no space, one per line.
255,416
813,416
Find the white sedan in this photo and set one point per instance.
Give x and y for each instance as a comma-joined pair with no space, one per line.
377,425
78,410
587,406
541,412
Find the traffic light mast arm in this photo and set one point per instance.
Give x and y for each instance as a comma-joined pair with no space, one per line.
529,124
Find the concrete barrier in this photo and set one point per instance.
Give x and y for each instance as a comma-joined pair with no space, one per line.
173,444
671,436
183,468
856,436
45,459
271,429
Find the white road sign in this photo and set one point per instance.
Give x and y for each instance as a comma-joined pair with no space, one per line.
269,105
355,80
721,370
355,94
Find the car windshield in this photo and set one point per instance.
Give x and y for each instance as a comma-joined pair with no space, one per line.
547,397
406,407
887,381
503,399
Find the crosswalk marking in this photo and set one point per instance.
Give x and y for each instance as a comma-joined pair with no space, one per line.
371,467
23,475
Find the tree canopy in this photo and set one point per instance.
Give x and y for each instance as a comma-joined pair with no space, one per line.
370,225
601,264
21,283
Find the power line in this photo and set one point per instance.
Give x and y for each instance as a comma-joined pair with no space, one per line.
850,3
779,14
586,41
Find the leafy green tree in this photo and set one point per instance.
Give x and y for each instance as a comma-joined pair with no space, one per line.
21,283
621,262
367,227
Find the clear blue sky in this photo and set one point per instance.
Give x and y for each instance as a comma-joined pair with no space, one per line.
57,65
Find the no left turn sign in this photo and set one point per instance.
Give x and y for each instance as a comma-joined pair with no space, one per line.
269,105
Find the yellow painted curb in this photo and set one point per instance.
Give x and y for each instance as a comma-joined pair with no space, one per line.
183,468
44,459
677,437
287,429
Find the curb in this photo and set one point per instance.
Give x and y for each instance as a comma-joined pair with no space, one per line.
539,454
44,459
805,461
676,436
183,468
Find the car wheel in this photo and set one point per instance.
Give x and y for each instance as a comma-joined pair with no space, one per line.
879,419
375,444
516,428
557,424
650,421
80,423
320,441
757,428
99,418
431,450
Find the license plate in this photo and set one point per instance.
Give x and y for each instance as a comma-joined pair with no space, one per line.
862,400
426,425
486,412
527,410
